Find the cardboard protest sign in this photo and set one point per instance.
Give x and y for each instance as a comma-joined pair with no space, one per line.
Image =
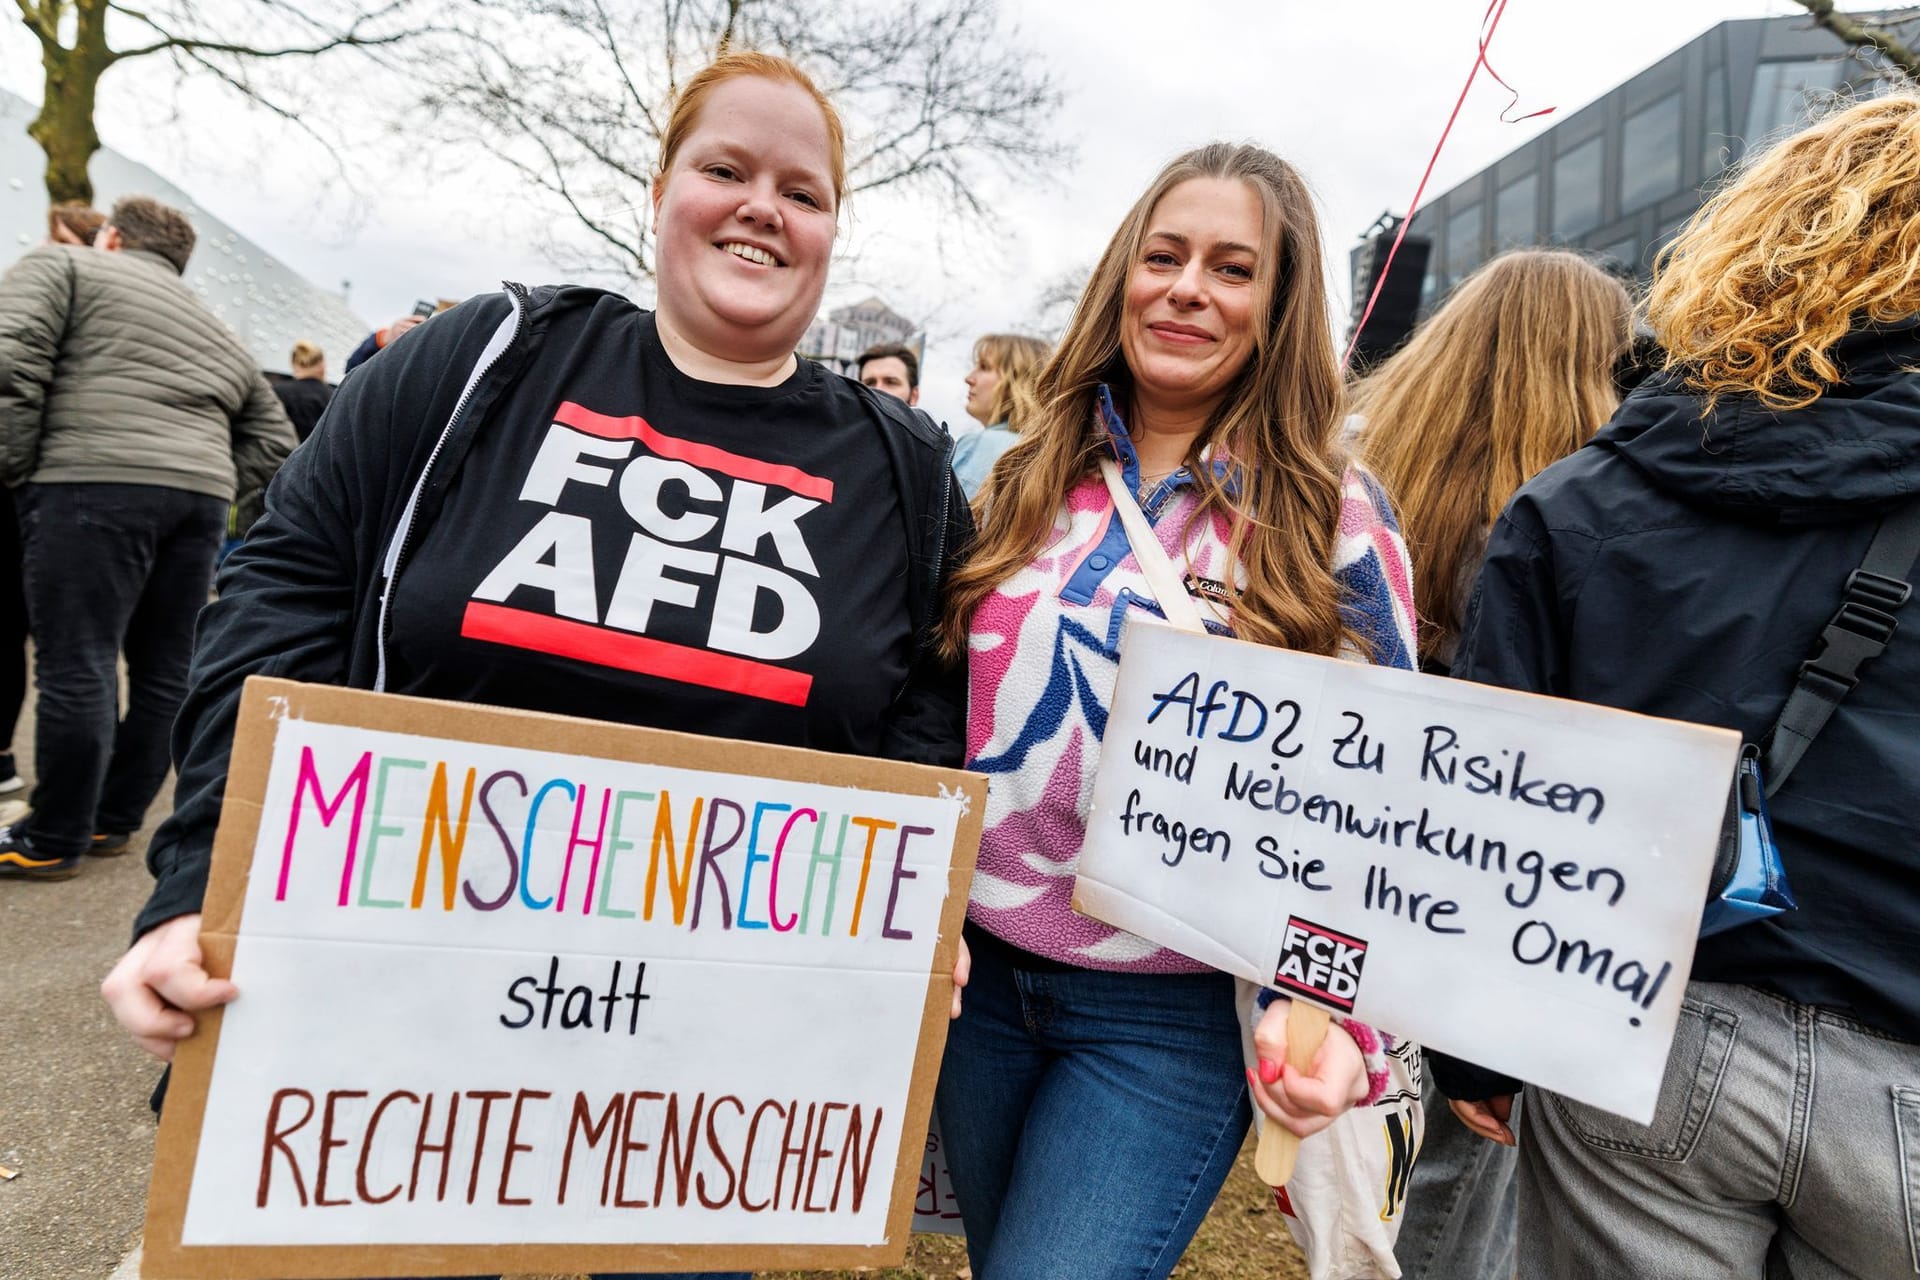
530,993
1512,879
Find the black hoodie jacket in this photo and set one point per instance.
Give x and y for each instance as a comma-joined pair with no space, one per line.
1684,567
303,598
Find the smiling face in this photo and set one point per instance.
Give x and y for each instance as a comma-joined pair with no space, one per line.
744,221
983,392
1191,294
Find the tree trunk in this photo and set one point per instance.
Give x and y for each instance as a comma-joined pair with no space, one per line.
64,128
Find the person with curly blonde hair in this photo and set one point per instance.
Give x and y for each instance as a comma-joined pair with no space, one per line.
1683,565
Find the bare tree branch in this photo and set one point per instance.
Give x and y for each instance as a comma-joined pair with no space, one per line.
229,42
1864,34
44,21
938,98
188,45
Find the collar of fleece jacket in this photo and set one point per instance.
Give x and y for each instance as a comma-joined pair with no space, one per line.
1370,556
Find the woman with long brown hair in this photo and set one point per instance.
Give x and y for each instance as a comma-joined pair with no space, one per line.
1000,397
1703,559
1092,1099
1511,375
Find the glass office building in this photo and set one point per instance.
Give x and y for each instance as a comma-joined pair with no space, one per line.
1620,176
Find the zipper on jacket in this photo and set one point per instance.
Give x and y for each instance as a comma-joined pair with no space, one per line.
404,542
945,481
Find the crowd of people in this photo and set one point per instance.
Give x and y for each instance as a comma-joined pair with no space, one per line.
1692,507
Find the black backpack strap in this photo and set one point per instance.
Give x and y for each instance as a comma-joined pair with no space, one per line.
1857,635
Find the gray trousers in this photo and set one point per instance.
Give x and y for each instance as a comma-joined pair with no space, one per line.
1786,1145
1459,1219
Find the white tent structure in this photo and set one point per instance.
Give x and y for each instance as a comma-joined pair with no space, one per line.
265,302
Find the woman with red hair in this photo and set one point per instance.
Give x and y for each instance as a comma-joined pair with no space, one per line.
452,487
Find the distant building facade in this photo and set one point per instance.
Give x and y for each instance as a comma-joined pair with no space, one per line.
837,339
1619,177
266,303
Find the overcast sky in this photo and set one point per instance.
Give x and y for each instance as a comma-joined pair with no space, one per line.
1353,94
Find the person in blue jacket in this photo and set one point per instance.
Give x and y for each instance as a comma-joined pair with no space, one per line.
1000,398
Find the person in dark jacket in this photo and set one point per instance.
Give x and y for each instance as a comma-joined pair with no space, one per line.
305,395
130,416
484,513
1683,565
1513,373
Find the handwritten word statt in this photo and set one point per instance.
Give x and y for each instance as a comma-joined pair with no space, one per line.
525,992
1513,879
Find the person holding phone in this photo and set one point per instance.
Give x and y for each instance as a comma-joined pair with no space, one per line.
380,339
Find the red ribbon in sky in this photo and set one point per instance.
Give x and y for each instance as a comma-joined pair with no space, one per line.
1489,21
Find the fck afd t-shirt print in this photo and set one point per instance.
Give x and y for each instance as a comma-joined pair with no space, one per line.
626,543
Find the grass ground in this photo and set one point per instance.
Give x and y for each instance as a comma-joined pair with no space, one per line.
1243,1238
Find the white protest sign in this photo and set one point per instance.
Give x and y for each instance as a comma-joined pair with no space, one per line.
522,992
1511,879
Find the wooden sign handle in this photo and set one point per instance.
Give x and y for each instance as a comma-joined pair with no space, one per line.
1273,1158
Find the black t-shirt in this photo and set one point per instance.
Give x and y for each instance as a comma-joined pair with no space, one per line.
305,399
627,543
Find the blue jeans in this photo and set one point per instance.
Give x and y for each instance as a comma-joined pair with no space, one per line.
1090,1117
1459,1219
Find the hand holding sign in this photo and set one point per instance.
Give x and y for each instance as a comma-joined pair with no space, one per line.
510,980
161,983
1513,879
1294,1039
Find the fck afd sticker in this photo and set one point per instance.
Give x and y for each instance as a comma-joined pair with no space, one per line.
1320,964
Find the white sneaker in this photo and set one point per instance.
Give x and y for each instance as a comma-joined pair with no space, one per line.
10,785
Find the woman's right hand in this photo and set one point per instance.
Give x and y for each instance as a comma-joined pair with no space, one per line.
1305,1102
161,983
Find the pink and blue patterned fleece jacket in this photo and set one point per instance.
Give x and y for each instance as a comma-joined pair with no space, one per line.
1044,656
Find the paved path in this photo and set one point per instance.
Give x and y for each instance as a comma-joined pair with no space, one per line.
73,1105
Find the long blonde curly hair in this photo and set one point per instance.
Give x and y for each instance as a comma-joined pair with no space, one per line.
1814,234
1277,423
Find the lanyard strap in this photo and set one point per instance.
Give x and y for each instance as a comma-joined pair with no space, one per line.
1169,587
